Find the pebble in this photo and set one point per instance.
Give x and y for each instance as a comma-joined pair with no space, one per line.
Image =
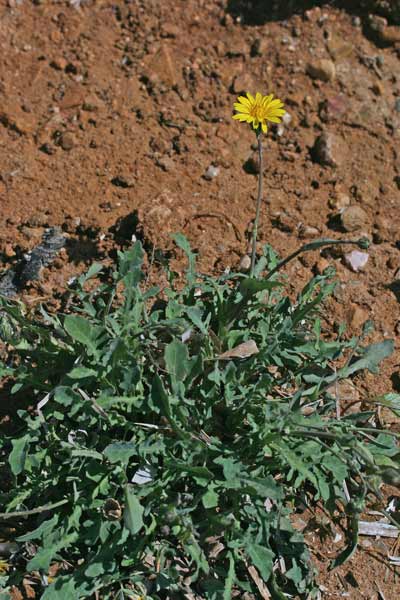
322,69
211,173
306,231
334,108
348,397
9,251
321,265
245,263
357,317
356,260
397,105
354,218
339,202
47,148
328,150
67,141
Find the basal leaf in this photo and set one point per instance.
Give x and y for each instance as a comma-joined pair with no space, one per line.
133,512
262,558
18,454
120,452
177,360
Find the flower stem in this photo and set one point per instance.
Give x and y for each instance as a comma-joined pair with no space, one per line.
259,200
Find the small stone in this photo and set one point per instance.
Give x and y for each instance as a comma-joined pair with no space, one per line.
356,317
47,148
396,276
67,141
356,260
322,69
354,218
211,173
9,251
245,263
74,96
334,108
378,89
170,30
59,64
123,181
339,201
259,47
397,105
166,163
339,48
306,231
329,150
356,21
321,265
347,396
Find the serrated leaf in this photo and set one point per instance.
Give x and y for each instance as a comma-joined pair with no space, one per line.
43,529
18,454
133,511
230,578
62,589
82,331
262,558
373,355
42,559
120,452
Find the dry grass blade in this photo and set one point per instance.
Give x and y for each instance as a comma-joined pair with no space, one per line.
244,350
262,588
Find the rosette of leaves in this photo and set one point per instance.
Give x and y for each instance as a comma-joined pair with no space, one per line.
174,435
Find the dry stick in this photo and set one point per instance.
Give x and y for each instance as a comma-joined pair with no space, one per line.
259,200
33,511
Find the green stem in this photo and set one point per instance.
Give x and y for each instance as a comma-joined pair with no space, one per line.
259,200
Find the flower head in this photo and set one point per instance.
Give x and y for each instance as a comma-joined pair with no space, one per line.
258,110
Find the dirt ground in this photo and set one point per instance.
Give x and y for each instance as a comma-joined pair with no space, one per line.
115,121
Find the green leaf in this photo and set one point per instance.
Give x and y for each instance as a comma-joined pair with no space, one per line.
262,558
82,331
18,454
177,361
82,373
62,589
120,452
373,355
181,241
251,286
133,512
210,498
230,578
44,556
43,529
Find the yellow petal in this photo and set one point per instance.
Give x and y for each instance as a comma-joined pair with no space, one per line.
259,98
267,99
276,112
241,107
264,127
239,117
244,100
255,124
274,119
251,98
275,103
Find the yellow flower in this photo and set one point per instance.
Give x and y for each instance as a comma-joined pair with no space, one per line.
259,110
4,567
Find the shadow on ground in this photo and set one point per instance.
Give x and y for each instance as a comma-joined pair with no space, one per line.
258,12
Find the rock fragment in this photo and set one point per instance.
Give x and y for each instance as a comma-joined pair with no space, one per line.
356,260
322,69
354,218
329,150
